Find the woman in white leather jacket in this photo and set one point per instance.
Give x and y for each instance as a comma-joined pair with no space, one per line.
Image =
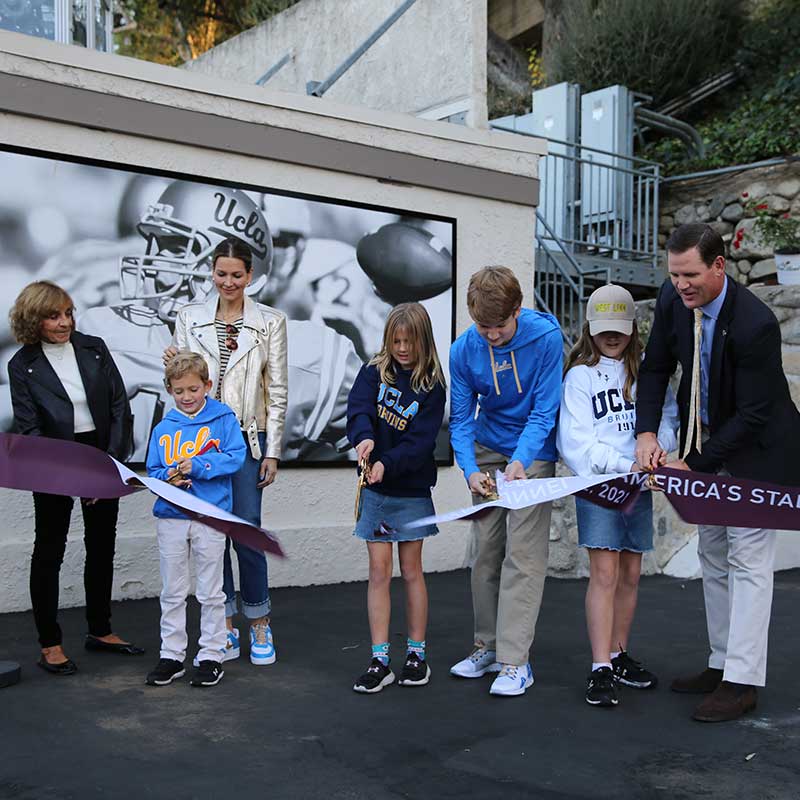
245,346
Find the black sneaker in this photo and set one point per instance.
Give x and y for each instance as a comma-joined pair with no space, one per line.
629,672
375,678
166,671
416,671
601,690
209,673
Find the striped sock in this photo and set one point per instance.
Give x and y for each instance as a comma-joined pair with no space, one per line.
381,652
417,647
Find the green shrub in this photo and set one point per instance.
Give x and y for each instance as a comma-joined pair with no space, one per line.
659,47
760,118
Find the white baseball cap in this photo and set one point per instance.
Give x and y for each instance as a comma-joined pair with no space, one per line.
610,308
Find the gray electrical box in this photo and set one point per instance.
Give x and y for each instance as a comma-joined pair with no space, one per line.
606,193
554,115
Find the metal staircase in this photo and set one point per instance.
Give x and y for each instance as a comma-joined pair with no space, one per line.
563,285
597,223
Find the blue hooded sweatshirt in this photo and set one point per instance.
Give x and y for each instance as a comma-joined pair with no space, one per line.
516,389
214,429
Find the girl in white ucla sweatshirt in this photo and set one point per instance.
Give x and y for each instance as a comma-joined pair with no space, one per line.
595,436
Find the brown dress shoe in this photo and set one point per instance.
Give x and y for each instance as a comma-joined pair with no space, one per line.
729,701
704,683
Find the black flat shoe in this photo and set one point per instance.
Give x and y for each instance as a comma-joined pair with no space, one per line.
99,646
67,667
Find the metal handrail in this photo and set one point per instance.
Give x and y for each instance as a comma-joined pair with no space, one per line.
578,145
595,206
574,289
318,88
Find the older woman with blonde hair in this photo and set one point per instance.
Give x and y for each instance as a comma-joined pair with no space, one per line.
65,385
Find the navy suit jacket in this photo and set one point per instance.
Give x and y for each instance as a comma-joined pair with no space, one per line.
754,425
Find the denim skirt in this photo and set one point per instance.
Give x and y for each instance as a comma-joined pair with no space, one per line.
383,517
610,529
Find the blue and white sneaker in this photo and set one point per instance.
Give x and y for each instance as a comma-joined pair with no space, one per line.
476,664
512,680
262,648
231,651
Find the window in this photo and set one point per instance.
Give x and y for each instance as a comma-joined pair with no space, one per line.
86,23
36,19
78,27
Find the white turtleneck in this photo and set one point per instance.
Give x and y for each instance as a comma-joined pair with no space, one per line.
62,360
596,424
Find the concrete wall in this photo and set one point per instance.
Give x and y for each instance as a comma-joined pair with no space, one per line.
431,62
515,19
311,510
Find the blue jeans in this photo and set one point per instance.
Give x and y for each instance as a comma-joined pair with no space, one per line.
253,576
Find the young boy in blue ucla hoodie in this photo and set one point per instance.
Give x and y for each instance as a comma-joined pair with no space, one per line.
197,446
505,384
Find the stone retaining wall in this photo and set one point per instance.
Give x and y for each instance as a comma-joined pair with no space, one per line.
718,200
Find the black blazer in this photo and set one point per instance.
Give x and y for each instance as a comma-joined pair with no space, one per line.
754,425
42,407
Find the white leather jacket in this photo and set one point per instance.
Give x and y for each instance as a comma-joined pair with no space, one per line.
256,383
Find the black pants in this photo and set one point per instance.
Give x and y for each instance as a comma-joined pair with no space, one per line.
52,513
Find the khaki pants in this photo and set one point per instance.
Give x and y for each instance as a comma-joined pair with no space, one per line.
510,567
737,567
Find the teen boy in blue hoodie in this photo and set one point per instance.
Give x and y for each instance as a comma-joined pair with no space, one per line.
197,446
505,385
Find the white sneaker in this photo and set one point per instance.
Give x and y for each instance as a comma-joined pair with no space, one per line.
512,680
477,664
262,646
231,650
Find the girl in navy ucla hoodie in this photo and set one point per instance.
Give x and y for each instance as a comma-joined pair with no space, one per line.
394,414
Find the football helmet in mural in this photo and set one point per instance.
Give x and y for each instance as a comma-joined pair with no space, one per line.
181,231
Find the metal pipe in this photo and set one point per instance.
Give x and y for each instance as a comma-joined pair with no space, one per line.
318,89
681,129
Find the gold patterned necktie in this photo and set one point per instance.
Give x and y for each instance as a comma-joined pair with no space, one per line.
695,423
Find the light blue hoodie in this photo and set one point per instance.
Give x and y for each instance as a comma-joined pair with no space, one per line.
517,388
214,429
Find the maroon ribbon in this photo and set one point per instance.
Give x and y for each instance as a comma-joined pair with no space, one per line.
56,466
705,499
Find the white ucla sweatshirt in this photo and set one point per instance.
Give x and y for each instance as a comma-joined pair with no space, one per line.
596,424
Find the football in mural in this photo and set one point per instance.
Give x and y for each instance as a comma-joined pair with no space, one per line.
405,262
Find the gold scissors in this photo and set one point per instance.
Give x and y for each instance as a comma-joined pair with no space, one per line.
363,467
491,486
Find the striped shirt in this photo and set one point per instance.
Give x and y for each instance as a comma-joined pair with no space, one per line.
224,353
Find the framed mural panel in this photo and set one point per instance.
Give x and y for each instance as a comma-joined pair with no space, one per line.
132,246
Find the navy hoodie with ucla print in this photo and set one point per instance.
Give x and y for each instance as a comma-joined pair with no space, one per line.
213,440
403,424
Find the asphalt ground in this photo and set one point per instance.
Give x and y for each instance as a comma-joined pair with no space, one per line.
297,730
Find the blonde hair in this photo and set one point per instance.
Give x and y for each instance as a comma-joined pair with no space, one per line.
494,294
185,362
414,319
585,352
34,304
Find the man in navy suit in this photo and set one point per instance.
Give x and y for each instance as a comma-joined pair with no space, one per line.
737,418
